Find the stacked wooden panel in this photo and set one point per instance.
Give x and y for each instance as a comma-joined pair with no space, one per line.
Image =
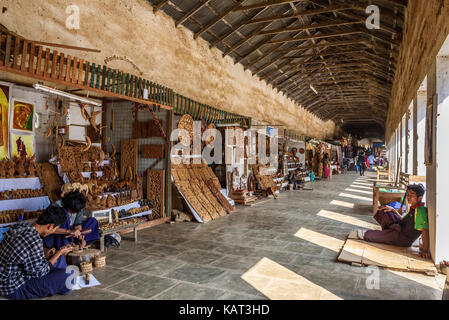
155,191
201,189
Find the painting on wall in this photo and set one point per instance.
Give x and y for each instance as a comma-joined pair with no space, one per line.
22,116
5,91
22,145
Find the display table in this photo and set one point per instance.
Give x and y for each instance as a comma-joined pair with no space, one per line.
27,204
20,183
125,207
110,231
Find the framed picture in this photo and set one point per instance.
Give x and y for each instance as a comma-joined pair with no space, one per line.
22,145
5,98
22,116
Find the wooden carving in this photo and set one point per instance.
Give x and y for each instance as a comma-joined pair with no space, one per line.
220,197
50,180
3,169
156,191
128,159
153,151
20,167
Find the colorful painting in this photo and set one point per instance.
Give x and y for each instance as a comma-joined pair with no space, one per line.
4,112
22,116
22,145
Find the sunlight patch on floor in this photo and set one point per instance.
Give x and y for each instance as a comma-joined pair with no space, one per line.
361,187
279,283
359,191
436,282
347,195
347,219
320,239
364,182
342,204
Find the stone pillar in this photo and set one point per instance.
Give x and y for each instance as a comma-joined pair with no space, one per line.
421,130
441,166
415,137
431,168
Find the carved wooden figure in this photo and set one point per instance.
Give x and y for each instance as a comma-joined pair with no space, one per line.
20,167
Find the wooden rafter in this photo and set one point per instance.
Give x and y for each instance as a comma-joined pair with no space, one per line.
192,11
217,19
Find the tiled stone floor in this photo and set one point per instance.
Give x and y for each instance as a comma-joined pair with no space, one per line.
193,261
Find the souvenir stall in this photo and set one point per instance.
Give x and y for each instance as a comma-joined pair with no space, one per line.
59,134
335,157
269,179
26,187
198,193
294,167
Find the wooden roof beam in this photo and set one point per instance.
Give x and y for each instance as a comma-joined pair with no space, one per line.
159,5
309,27
265,4
217,19
192,12
303,13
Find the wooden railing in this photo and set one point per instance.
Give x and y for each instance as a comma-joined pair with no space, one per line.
21,56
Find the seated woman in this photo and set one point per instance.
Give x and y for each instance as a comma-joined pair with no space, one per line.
400,230
73,204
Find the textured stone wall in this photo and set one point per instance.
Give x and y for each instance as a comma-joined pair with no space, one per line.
427,26
165,54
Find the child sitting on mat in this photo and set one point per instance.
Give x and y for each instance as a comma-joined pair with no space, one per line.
400,230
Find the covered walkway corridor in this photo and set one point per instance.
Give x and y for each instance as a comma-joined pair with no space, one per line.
295,239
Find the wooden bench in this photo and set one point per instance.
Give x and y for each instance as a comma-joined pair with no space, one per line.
384,174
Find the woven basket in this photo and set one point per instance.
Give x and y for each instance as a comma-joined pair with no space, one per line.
100,261
86,267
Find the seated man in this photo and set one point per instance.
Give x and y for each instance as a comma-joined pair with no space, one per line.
295,179
402,231
73,204
25,273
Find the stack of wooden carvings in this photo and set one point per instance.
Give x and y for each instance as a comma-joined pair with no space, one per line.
120,224
10,216
94,173
201,190
81,165
23,193
266,182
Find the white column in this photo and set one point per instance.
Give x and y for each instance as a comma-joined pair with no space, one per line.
431,168
442,158
415,136
403,142
409,135
421,131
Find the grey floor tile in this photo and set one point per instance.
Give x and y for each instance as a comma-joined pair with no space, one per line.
189,291
199,257
143,286
195,273
109,276
157,266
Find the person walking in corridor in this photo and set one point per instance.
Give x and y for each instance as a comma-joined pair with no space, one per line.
361,162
